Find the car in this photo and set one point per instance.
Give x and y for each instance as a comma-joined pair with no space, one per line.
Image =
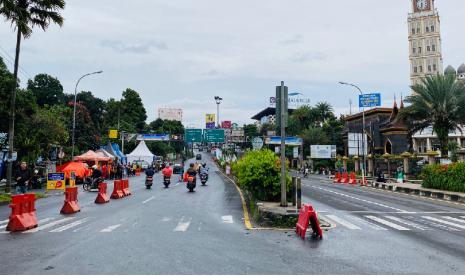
177,169
198,157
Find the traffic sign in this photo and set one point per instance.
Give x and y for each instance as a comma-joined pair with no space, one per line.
193,136
214,135
56,181
369,100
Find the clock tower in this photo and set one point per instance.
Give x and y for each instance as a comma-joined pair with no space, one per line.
424,40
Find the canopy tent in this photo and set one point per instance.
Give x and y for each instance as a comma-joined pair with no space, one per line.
114,150
92,156
81,169
141,153
104,153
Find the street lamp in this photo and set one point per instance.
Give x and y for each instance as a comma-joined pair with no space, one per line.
363,129
218,102
74,110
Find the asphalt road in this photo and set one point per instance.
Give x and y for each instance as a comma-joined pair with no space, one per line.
171,231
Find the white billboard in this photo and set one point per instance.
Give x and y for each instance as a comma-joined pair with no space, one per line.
323,151
173,114
358,145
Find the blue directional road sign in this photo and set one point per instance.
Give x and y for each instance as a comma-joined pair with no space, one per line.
369,100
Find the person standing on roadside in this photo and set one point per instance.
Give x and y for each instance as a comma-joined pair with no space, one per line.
22,178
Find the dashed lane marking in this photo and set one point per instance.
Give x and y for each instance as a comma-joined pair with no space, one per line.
387,223
50,225
69,226
359,199
445,222
227,219
110,228
182,226
411,224
343,222
147,200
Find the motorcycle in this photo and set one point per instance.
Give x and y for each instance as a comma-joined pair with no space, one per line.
166,181
148,182
191,183
203,178
91,184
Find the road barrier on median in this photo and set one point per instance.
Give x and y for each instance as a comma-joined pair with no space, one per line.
23,213
117,189
337,178
102,196
364,182
137,172
308,216
125,187
71,204
345,178
353,179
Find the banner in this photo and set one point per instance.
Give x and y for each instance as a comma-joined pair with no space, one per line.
210,121
56,181
226,124
72,179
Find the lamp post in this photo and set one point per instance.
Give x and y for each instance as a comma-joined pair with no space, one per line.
363,130
218,101
74,110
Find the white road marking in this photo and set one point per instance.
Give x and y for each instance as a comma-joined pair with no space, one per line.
343,222
227,219
433,224
182,226
147,200
359,199
387,223
200,226
110,228
445,222
4,221
369,224
40,222
414,225
455,219
166,219
50,225
69,226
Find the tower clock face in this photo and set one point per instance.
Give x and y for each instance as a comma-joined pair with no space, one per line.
422,4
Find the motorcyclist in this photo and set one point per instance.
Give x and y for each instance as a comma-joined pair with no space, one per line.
192,172
149,172
96,175
204,169
167,171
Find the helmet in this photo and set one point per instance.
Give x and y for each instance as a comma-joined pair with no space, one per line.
36,171
191,165
204,165
94,167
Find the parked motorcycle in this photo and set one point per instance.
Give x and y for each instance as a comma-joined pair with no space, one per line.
166,181
191,183
148,182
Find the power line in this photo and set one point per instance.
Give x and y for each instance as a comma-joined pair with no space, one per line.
12,60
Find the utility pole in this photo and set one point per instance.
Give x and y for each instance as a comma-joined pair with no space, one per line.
283,147
218,101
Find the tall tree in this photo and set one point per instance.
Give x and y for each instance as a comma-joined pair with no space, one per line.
439,102
323,111
24,15
47,90
132,110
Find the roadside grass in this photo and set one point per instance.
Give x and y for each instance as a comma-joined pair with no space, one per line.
6,198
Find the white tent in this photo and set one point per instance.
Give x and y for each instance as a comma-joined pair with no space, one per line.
141,153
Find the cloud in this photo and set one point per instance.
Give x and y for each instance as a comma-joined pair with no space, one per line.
296,39
308,57
143,48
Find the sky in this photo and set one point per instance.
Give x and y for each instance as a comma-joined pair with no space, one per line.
182,53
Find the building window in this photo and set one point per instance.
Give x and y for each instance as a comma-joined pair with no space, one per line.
432,28
434,67
429,68
421,69
415,69
427,29
413,30
419,50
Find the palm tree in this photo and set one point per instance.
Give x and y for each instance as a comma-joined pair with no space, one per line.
24,15
438,101
324,111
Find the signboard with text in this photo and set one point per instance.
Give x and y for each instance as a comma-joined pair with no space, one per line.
290,141
210,121
153,137
56,181
323,151
193,135
214,135
226,124
113,134
369,100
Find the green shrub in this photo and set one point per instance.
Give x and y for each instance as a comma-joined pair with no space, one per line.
445,177
259,173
